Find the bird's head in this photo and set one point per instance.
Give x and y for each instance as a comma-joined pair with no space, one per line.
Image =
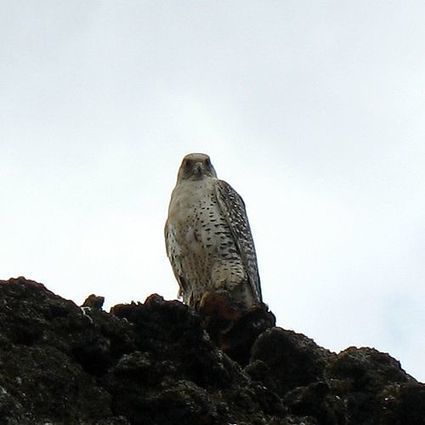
196,166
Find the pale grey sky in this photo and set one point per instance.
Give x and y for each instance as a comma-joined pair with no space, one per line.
313,111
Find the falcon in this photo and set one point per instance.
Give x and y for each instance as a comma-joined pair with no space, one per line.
208,240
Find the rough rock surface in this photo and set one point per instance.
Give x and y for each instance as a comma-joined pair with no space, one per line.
154,364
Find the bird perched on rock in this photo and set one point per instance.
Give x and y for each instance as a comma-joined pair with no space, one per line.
209,242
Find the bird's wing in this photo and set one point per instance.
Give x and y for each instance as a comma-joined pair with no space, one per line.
233,208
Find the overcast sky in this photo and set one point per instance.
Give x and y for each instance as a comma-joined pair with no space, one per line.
313,111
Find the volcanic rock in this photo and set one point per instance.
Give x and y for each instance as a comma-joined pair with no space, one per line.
154,363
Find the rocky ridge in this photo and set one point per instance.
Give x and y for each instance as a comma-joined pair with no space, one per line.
155,364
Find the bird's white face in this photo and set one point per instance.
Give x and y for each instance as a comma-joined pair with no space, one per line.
196,166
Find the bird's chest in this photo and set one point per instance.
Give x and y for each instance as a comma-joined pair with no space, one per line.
196,221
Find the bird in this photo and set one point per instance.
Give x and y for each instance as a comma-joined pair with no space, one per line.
209,241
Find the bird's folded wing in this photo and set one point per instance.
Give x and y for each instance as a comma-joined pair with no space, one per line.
233,208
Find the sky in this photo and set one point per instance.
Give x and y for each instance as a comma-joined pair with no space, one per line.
314,111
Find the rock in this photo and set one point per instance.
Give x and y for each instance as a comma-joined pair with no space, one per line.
284,360
237,335
359,376
94,301
155,363
317,401
403,404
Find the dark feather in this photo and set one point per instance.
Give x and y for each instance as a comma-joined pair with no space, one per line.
233,208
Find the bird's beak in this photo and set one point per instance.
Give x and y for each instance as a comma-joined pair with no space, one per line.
197,169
